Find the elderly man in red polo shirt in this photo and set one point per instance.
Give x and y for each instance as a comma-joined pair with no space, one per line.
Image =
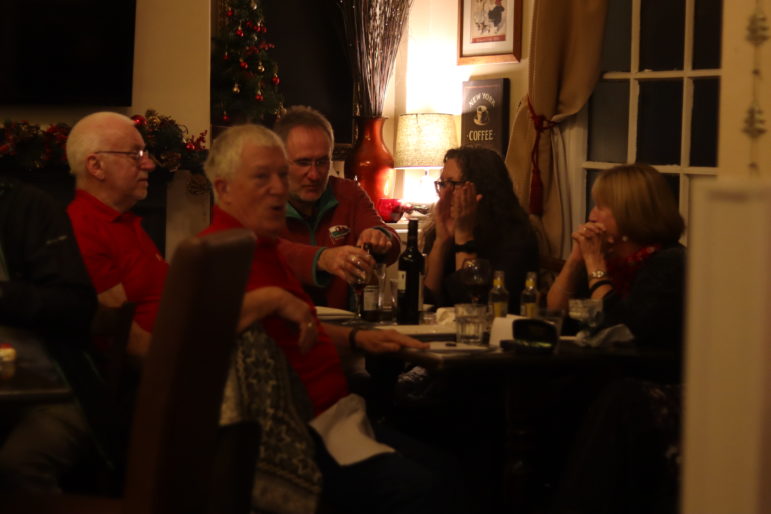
111,166
248,169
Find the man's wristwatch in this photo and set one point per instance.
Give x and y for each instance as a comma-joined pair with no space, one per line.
467,247
598,273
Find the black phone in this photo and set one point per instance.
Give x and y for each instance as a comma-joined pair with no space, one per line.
531,335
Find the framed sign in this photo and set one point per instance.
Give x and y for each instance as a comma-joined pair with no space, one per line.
485,115
489,31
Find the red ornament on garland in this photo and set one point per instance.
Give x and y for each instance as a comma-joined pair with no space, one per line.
276,81
225,117
259,96
244,65
139,120
239,32
230,13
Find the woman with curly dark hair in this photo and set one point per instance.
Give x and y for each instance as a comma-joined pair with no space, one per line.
477,215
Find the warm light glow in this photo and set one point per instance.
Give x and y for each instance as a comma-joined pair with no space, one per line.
418,185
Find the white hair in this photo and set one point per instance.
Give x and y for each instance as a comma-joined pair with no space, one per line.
89,134
225,154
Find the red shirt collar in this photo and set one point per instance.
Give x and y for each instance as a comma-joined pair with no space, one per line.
101,209
222,220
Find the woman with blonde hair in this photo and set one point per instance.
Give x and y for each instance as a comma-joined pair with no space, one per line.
628,251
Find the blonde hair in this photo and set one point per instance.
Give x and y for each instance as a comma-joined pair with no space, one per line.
225,154
641,202
90,134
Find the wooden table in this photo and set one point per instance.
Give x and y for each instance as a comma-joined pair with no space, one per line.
35,376
520,382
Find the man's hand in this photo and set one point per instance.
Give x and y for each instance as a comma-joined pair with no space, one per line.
265,301
297,311
380,242
384,341
347,262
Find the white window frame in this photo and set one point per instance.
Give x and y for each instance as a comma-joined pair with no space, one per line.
576,131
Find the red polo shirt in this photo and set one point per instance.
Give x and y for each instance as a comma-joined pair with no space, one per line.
117,250
319,369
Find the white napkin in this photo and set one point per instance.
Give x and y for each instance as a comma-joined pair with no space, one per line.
606,337
445,316
346,431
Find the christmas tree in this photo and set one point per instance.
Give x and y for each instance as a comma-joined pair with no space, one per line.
244,83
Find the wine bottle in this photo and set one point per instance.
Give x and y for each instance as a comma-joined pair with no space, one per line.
528,301
411,269
498,299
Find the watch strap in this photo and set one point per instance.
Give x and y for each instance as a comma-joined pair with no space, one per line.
467,247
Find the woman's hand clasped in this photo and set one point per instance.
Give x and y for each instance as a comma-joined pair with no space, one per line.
591,242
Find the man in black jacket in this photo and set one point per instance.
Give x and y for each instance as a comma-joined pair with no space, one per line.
44,288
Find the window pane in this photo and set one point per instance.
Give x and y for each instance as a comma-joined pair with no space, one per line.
658,121
608,121
616,52
707,34
704,122
662,23
673,179
591,176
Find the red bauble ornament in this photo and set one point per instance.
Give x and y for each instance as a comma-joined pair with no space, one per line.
190,146
230,12
259,97
239,32
139,120
276,81
243,65
225,117
226,56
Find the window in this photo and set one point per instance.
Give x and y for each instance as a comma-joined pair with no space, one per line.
658,98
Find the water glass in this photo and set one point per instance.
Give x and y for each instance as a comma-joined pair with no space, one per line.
555,317
470,323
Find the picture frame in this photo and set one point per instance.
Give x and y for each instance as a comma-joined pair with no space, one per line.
489,31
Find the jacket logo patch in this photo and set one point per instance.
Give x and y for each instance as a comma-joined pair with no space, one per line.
337,233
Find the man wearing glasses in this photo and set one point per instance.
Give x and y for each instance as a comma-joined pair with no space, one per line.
111,166
333,215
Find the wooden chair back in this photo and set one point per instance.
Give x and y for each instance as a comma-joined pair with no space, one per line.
177,416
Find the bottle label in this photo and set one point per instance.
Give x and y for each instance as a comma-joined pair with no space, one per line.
499,309
529,310
402,281
370,298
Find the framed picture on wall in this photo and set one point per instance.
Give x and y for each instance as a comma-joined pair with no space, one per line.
485,115
489,31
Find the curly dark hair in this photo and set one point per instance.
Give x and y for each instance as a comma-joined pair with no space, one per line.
499,207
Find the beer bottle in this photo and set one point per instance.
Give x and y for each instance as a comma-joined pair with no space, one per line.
498,299
411,269
528,301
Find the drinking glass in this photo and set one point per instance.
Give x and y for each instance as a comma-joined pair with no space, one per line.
587,311
476,275
358,285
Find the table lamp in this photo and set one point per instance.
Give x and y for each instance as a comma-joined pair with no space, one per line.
422,139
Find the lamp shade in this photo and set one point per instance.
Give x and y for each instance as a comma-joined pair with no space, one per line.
423,139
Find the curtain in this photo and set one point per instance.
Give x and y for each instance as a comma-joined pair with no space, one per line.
564,66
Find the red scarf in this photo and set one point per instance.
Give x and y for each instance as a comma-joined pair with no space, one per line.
623,270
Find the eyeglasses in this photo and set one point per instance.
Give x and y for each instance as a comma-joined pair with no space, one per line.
136,155
441,184
321,163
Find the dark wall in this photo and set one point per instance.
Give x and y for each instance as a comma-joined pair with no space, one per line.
310,52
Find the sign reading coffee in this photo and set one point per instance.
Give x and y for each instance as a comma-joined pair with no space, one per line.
485,118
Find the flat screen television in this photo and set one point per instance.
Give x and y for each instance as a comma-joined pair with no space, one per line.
67,52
